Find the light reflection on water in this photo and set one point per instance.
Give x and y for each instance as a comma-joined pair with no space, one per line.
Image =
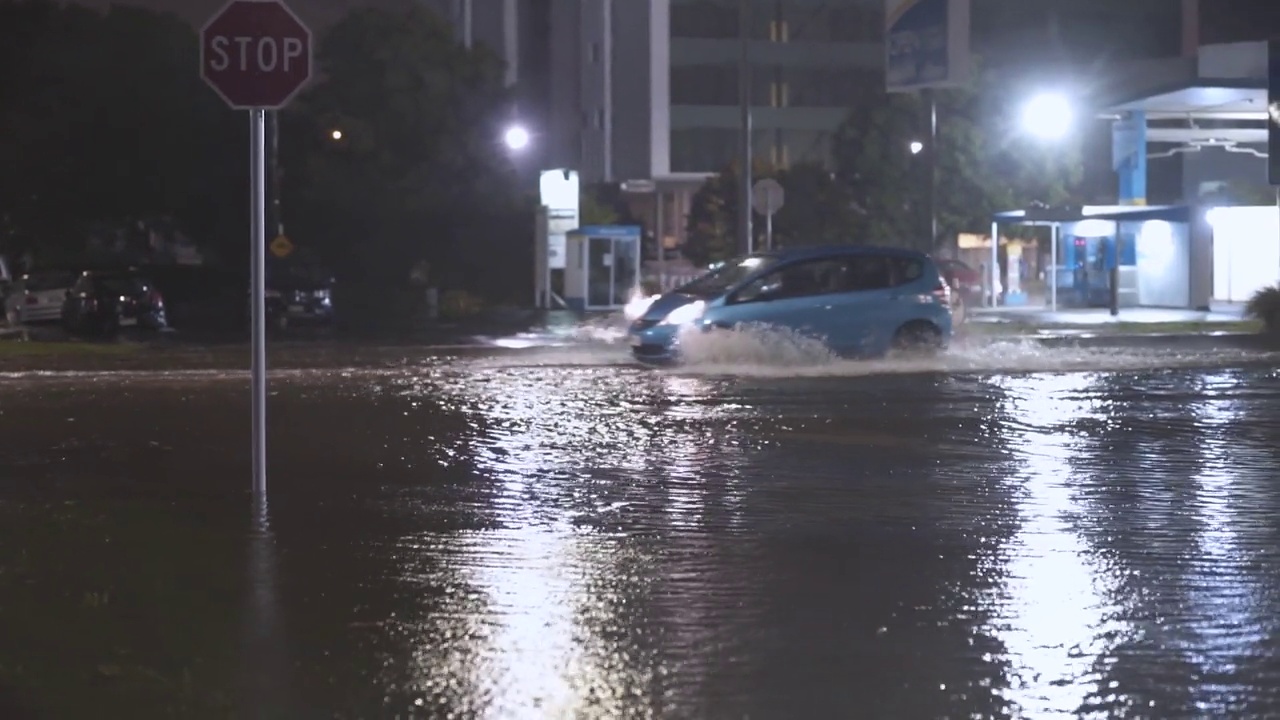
1053,612
603,541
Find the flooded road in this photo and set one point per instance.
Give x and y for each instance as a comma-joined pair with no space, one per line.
560,534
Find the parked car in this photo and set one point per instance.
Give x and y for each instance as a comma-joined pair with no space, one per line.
37,297
305,299
101,302
203,298
861,301
962,278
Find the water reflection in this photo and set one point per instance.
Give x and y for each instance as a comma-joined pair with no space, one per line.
1135,586
1057,613
470,540
266,680
563,569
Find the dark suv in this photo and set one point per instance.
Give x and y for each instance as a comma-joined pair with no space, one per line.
101,302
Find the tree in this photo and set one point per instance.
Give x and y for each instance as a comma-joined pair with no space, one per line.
600,205
417,175
984,165
817,211
104,122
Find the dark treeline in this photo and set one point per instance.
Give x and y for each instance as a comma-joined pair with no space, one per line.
106,127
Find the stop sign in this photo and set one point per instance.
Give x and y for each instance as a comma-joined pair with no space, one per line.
255,53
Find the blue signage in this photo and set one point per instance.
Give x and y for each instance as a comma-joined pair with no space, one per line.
608,231
1129,157
1273,112
926,43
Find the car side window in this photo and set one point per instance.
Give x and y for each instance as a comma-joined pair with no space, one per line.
803,279
870,272
906,271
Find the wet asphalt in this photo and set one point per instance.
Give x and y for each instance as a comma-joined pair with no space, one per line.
557,533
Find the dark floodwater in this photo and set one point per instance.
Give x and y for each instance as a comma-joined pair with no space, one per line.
488,538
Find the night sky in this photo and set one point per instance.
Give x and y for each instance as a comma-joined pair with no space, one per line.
316,13
1006,31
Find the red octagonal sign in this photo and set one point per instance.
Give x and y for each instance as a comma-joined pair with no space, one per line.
256,54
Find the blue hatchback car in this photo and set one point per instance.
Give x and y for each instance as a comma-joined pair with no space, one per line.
860,301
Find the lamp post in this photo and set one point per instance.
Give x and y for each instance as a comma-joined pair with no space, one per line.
516,138
744,126
933,171
1049,117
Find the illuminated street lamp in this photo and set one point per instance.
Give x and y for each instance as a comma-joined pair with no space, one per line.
917,147
516,138
336,134
1048,116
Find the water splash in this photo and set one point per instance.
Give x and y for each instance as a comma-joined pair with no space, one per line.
755,346
774,352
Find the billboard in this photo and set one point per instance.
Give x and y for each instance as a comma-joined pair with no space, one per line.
560,192
926,44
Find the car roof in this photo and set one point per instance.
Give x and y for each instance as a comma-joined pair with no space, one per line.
818,251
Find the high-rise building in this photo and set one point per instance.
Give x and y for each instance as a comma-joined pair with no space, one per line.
646,92
642,89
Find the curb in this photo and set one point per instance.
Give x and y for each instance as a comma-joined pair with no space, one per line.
1255,342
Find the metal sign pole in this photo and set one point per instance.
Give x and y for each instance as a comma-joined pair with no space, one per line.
768,232
257,293
1054,231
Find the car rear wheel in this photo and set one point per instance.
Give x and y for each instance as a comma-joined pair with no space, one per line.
918,338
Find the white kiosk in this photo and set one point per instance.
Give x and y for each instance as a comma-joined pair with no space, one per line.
602,267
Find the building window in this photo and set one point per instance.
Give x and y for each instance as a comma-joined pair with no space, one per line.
702,149
705,19
778,94
781,157
704,85
834,22
778,31
827,87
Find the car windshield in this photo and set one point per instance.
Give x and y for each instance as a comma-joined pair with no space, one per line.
725,277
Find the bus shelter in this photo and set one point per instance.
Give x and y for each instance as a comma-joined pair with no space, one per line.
602,267
1115,256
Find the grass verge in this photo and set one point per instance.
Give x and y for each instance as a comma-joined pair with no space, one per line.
45,349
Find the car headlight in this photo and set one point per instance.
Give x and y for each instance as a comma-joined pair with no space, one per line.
685,313
637,306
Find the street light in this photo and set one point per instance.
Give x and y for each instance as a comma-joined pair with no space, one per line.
917,147
1048,116
516,138
336,134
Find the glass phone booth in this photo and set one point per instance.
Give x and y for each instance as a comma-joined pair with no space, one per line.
602,267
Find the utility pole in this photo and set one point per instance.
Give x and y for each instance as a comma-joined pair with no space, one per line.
744,125
933,170
466,23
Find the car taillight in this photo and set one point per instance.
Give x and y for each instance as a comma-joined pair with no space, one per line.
943,291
